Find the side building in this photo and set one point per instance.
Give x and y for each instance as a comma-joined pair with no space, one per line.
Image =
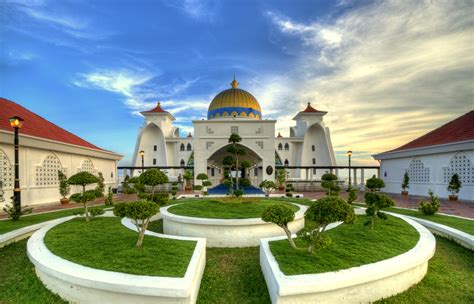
432,159
45,149
234,111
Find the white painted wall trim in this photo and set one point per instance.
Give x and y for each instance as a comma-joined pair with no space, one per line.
362,284
81,284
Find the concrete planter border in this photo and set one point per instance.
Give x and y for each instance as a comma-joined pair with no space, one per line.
227,232
361,284
81,284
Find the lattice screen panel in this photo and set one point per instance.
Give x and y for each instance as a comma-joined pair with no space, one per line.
6,171
47,173
461,165
417,172
88,166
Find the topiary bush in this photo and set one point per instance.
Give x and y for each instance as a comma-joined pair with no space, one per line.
454,185
430,207
238,193
280,215
109,199
351,195
375,203
160,198
96,211
100,189
374,184
267,186
323,212
329,182
64,188
153,177
289,190
140,212
83,179
244,182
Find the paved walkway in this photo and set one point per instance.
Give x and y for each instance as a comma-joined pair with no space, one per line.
460,208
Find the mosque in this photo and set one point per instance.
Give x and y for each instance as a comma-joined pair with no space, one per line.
234,111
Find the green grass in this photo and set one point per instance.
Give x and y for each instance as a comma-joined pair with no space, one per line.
450,221
104,243
449,279
9,225
18,281
352,245
226,208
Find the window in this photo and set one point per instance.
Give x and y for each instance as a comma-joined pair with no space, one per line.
182,163
313,148
212,172
417,172
255,171
286,163
154,161
314,171
111,175
188,147
280,147
287,147
47,173
181,148
461,165
314,161
234,130
155,147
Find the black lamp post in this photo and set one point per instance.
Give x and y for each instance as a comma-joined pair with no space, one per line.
142,154
16,123
349,153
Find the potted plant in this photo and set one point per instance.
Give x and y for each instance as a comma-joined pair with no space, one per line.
405,183
281,178
454,186
64,188
188,176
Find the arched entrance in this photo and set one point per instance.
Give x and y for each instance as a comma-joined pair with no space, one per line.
216,167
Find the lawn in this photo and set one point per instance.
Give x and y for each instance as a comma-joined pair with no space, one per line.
352,245
225,208
9,225
450,221
104,243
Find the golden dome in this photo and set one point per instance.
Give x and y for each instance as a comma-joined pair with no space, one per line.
234,102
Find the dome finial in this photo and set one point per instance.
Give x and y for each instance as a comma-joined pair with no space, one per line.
234,83
158,104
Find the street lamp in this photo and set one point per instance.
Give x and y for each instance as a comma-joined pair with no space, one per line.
349,153
142,154
16,122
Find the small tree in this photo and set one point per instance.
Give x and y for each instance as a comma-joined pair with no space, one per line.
13,213
100,189
153,177
281,175
374,184
351,195
430,207
109,199
454,185
329,182
267,186
140,212
375,203
64,188
323,212
405,183
281,215
188,176
204,180
83,179
236,151
174,189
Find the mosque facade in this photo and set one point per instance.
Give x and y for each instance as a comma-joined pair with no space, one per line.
235,111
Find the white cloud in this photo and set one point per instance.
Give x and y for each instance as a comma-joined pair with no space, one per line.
387,72
202,10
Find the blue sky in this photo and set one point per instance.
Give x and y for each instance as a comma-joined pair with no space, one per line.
385,71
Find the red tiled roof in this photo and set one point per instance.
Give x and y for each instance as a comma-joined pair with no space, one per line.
457,130
310,109
37,126
157,109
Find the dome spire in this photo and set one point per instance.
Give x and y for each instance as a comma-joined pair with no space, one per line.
234,83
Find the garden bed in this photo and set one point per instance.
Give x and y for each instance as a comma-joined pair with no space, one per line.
226,208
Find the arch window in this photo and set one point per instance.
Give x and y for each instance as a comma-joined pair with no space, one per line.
280,147
314,161
287,147
181,147
213,171
188,147
461,165
154,161
6,170
47,173
286,163
417,172
155,147
88,166
182,163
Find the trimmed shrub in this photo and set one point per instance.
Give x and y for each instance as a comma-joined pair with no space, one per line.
140,212
109,199
160,198
329,182
375,203
153,177
455,184
100,189
83,179
406,181
280,215
323,212
96,211
238,193
374,184
430,207
351,195
267,186
64,188
244,182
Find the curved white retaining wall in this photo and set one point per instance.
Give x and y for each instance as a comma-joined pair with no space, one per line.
80,284
362,284
227,232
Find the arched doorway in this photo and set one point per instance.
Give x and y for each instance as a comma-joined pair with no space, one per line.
217,169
